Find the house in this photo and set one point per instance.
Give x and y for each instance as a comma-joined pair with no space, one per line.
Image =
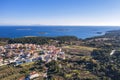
34,75
28,60
18,63
1,61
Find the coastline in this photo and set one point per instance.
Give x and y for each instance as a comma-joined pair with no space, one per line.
80,32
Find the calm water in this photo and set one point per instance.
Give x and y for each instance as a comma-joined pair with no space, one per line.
80,32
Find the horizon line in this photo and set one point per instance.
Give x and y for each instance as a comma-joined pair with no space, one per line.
61,25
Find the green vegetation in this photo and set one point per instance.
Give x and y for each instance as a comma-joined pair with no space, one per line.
87,59
3,41
42,40
9,72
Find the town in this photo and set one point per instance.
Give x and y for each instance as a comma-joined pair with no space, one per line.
18,53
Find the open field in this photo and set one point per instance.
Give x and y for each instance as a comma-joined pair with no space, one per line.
80,47
2,43
78,50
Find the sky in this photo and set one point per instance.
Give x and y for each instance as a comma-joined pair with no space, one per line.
60,12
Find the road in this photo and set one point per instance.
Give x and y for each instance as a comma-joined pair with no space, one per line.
112,52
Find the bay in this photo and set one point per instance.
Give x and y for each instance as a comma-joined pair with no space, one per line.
52,31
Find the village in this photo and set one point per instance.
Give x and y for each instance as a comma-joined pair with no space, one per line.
18,53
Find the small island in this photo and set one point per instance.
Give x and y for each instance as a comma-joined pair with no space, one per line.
42,33
99,32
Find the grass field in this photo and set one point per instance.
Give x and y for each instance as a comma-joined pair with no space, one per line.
79,47
2,43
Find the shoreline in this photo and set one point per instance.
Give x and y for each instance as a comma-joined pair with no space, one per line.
97,34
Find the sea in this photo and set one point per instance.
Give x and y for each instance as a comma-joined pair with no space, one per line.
53,31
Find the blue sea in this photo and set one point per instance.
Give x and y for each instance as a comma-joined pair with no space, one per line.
79,31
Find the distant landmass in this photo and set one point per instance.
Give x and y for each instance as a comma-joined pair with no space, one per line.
80,31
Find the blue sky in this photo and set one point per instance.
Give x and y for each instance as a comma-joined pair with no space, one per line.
60,12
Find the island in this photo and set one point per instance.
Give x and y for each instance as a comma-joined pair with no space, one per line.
42,32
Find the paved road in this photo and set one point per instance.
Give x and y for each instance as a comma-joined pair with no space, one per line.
112,52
